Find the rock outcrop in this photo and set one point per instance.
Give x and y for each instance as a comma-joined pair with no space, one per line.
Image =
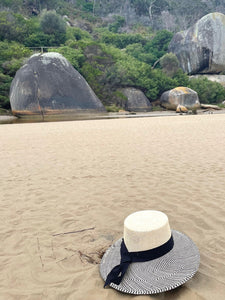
49,85
180,96
136,100
200,49
168,14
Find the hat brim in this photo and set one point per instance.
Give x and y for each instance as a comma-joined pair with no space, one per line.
159,275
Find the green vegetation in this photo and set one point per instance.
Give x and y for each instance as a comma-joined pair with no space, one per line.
112,108
209,92
5,82
101,51
12,55
169,64
53,25
14,27
74,56
119,22
151,50
121,40
221,105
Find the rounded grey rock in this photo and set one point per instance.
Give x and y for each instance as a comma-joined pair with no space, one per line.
48,84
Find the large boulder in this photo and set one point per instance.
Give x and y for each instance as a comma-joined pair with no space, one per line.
200,49
136,100
49,85
180,96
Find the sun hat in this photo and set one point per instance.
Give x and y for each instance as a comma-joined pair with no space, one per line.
150,258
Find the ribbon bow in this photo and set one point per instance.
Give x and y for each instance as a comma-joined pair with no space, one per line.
117,273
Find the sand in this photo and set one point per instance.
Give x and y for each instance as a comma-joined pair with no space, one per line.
66,188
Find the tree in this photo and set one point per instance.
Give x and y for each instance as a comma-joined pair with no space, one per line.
53,25
14,27
15,5
115,26
121,40
39,39
138,51
158,46
149,7
75,33
169,63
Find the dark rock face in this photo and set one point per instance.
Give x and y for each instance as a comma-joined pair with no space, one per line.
180,96
136,100
48,84
200,49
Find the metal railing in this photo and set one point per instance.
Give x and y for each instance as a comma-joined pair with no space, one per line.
42,47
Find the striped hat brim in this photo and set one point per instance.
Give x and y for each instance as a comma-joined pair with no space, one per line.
159,275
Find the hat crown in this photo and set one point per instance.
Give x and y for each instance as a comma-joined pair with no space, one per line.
146,230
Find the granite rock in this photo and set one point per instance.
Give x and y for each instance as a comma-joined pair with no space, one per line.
48,84
180,96
200,49
136,100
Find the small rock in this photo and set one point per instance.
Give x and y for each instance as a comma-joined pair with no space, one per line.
181,109
210,106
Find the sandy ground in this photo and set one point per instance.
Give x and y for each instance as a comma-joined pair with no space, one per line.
66,187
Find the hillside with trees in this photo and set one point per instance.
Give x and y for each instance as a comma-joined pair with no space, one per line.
113,44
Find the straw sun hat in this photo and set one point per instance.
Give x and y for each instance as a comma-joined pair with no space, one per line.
150,258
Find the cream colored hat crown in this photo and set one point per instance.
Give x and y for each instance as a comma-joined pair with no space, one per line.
145,230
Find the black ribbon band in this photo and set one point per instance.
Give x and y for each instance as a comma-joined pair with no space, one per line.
117,273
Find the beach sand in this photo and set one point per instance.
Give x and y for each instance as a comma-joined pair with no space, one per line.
66,187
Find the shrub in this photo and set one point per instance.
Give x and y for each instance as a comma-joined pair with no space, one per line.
115,26
121,40
92,72
51,23
169,64
137,51
10,67
158,45
14,27
12,55
112,108
74,56
150,51
181,78
77,34
128,71
54,26
10,50
5,82
38,39
209,92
